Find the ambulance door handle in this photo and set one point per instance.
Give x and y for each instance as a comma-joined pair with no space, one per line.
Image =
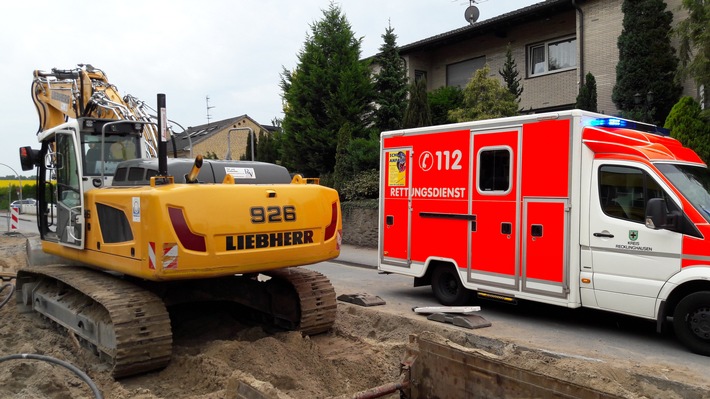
604,235
506,228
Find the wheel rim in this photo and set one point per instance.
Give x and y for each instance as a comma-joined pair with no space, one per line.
449,285
699,322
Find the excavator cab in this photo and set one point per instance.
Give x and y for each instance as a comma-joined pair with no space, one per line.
76,157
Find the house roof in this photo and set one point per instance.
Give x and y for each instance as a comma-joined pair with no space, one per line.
497,25
200,133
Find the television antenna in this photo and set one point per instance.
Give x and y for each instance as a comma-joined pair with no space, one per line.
207,101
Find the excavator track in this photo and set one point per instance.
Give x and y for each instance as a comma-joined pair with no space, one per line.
127,325
316,296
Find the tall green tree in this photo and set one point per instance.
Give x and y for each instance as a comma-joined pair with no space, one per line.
645,89
251,136
694,48
269,147
390,84
587,97
341,170
330,87
687,126
510,74
418,112
443,100
484,98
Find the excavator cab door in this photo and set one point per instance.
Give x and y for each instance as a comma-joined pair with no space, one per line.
69,191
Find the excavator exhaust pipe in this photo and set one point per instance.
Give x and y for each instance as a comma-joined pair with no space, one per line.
192,176
163,142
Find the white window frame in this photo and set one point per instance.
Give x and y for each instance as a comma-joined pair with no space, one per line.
543,68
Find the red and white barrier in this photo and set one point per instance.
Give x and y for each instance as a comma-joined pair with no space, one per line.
14,218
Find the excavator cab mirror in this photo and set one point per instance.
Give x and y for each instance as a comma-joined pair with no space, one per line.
29,158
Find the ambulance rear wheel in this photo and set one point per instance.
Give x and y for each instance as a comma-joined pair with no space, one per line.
448,288
691,322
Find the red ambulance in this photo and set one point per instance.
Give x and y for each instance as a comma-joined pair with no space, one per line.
568,208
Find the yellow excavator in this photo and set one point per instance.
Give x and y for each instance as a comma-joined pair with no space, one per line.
126,232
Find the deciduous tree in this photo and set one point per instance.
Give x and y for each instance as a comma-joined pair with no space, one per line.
484,98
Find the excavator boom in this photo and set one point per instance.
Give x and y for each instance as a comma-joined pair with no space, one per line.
86,92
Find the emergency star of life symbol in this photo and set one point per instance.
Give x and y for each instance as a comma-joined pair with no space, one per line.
633,235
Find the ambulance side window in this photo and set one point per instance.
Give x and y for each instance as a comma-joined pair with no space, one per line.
624,192
494,166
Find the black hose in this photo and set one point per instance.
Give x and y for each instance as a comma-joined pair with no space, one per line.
62,363
7,298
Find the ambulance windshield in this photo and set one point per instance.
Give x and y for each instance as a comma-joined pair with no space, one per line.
693,182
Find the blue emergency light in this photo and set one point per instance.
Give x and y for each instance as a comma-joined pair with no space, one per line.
623,123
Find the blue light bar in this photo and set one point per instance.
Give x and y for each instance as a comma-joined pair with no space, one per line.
623,123
611,122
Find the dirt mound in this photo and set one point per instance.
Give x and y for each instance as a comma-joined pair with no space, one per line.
215,352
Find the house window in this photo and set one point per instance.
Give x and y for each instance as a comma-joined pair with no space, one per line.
460,73
552,56
418,74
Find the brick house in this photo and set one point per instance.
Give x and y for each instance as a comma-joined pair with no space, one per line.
225,138
554,44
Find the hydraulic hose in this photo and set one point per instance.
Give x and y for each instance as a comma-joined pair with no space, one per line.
71,367
7,298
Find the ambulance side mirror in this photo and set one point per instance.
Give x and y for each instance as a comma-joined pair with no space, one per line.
657,216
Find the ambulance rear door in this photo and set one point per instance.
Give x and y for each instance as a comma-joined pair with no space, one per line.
396,207
494,234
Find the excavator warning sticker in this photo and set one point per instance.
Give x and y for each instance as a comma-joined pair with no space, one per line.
168,259
136,209
397,168
240,173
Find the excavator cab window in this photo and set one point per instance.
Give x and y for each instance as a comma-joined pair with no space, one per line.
104,157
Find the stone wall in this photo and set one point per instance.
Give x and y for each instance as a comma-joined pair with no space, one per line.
360,226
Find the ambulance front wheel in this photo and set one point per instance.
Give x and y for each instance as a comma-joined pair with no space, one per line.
691,322
448,288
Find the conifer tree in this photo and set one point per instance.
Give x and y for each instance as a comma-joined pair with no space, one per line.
390,85
418,113
695,45
645,89
510,74
329,87
587,97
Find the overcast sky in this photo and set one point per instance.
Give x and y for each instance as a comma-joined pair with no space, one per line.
231,51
